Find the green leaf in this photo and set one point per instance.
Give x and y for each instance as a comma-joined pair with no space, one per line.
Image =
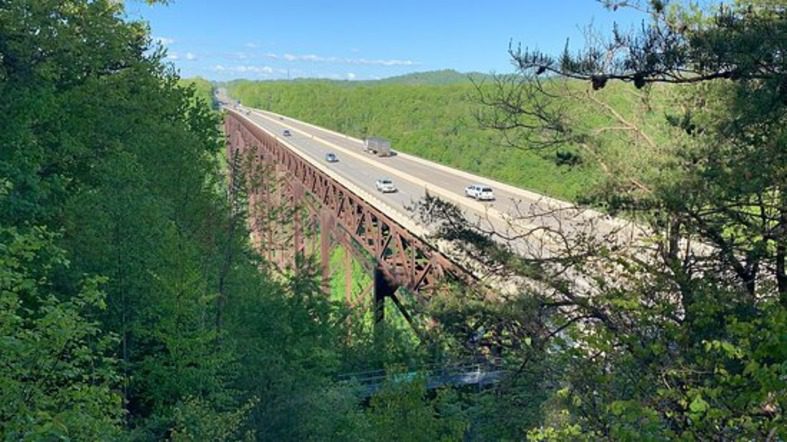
698,405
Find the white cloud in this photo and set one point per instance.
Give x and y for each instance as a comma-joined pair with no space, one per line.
350,76
359,61
173,56
164,41
251,45
255,69
249,69
382,62
309,57
190,56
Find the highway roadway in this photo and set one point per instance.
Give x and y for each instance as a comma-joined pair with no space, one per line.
361,169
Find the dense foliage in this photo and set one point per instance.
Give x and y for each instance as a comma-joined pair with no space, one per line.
441,77
203,89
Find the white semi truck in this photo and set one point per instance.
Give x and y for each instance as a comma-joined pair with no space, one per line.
378,146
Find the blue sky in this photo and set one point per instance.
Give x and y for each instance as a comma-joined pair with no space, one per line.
353,39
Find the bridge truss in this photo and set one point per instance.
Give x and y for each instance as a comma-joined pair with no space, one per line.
400,259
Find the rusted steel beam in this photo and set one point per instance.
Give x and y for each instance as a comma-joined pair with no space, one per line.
407,316
383,288
296,190
348,277
327,223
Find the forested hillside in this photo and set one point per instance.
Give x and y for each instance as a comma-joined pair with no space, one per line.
442,77
432,121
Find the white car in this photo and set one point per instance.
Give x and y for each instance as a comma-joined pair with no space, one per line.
385,185
480,192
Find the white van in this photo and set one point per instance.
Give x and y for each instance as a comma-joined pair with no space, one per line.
480,192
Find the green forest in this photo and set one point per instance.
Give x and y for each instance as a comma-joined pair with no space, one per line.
203,89
134,307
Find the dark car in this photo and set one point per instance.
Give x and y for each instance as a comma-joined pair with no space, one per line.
287,133
331,157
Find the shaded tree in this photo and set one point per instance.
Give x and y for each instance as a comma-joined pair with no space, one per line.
57,376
